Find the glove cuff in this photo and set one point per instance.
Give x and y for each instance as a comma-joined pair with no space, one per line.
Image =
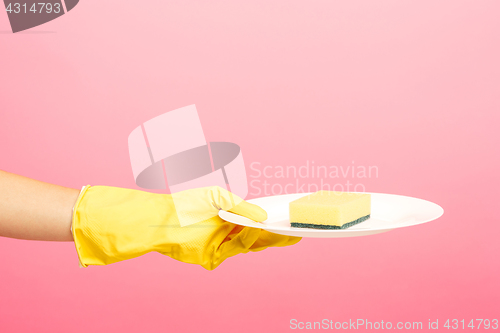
76,241
112,224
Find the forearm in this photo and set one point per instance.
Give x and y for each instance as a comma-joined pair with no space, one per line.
34,210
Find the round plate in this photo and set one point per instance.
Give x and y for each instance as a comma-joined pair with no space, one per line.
388,212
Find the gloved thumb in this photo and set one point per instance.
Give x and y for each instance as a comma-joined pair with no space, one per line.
249,210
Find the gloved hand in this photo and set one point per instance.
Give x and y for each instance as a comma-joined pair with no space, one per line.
111,224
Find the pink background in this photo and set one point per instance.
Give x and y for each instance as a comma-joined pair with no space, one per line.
412,87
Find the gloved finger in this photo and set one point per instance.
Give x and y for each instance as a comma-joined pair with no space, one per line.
267,239
240,243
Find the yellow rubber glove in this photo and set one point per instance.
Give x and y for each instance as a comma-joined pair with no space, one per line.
111,224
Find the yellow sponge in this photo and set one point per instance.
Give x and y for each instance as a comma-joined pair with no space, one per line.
330,210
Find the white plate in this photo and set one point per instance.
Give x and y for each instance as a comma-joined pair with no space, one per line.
388,212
